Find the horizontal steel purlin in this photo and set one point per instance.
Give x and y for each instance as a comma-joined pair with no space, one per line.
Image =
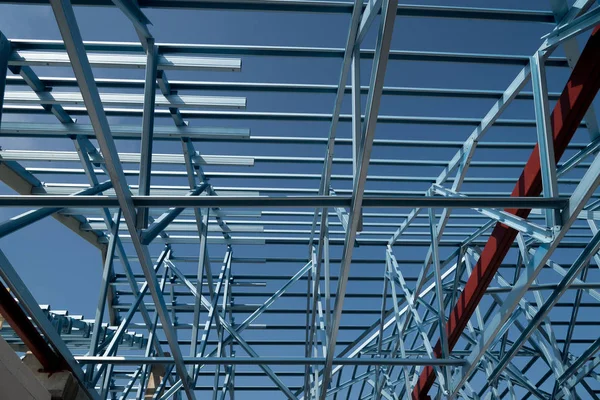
133,360
42,51
325,6
33,58
175,84
126,100
285,202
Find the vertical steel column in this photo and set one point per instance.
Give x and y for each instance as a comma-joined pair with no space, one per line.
372,110
107,274
202,221
572,105
544,134
147,369
439,292
147,130
4,55
339,97
357,137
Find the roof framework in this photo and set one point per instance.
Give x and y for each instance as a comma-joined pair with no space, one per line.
340,262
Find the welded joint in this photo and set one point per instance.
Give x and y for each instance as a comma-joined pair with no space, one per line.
565,31
541,234
38,87
139,20
165,89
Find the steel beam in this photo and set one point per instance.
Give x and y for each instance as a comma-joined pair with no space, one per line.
30,217
280,202
368,133
134,360
4,56
147,124
344,7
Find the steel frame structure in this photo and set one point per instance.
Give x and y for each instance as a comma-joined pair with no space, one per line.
472,309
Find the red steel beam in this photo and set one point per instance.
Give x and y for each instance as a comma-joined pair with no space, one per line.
24,328
570,109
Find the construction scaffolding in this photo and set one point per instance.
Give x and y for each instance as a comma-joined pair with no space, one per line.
312,258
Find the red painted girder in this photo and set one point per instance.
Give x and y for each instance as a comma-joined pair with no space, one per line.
570,109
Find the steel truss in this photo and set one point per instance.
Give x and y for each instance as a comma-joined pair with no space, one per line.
351,288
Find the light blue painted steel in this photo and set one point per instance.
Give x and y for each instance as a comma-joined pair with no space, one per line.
30,217
148,235
107,274
67,23
151,335
191,52
368,133
85,150
5,51
592,248
111,348
581,195
147,121
129,386
544,134
372,8
541,234
569,30
335,117
433,229
132,10
259,311
31,78
462,159
233,332
133,360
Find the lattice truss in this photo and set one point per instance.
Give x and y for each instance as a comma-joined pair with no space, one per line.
311,258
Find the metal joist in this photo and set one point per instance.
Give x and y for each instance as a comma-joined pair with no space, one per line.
123,60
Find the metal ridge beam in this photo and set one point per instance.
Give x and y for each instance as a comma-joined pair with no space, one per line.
579,92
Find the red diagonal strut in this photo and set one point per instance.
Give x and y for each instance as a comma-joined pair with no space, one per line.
572,105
